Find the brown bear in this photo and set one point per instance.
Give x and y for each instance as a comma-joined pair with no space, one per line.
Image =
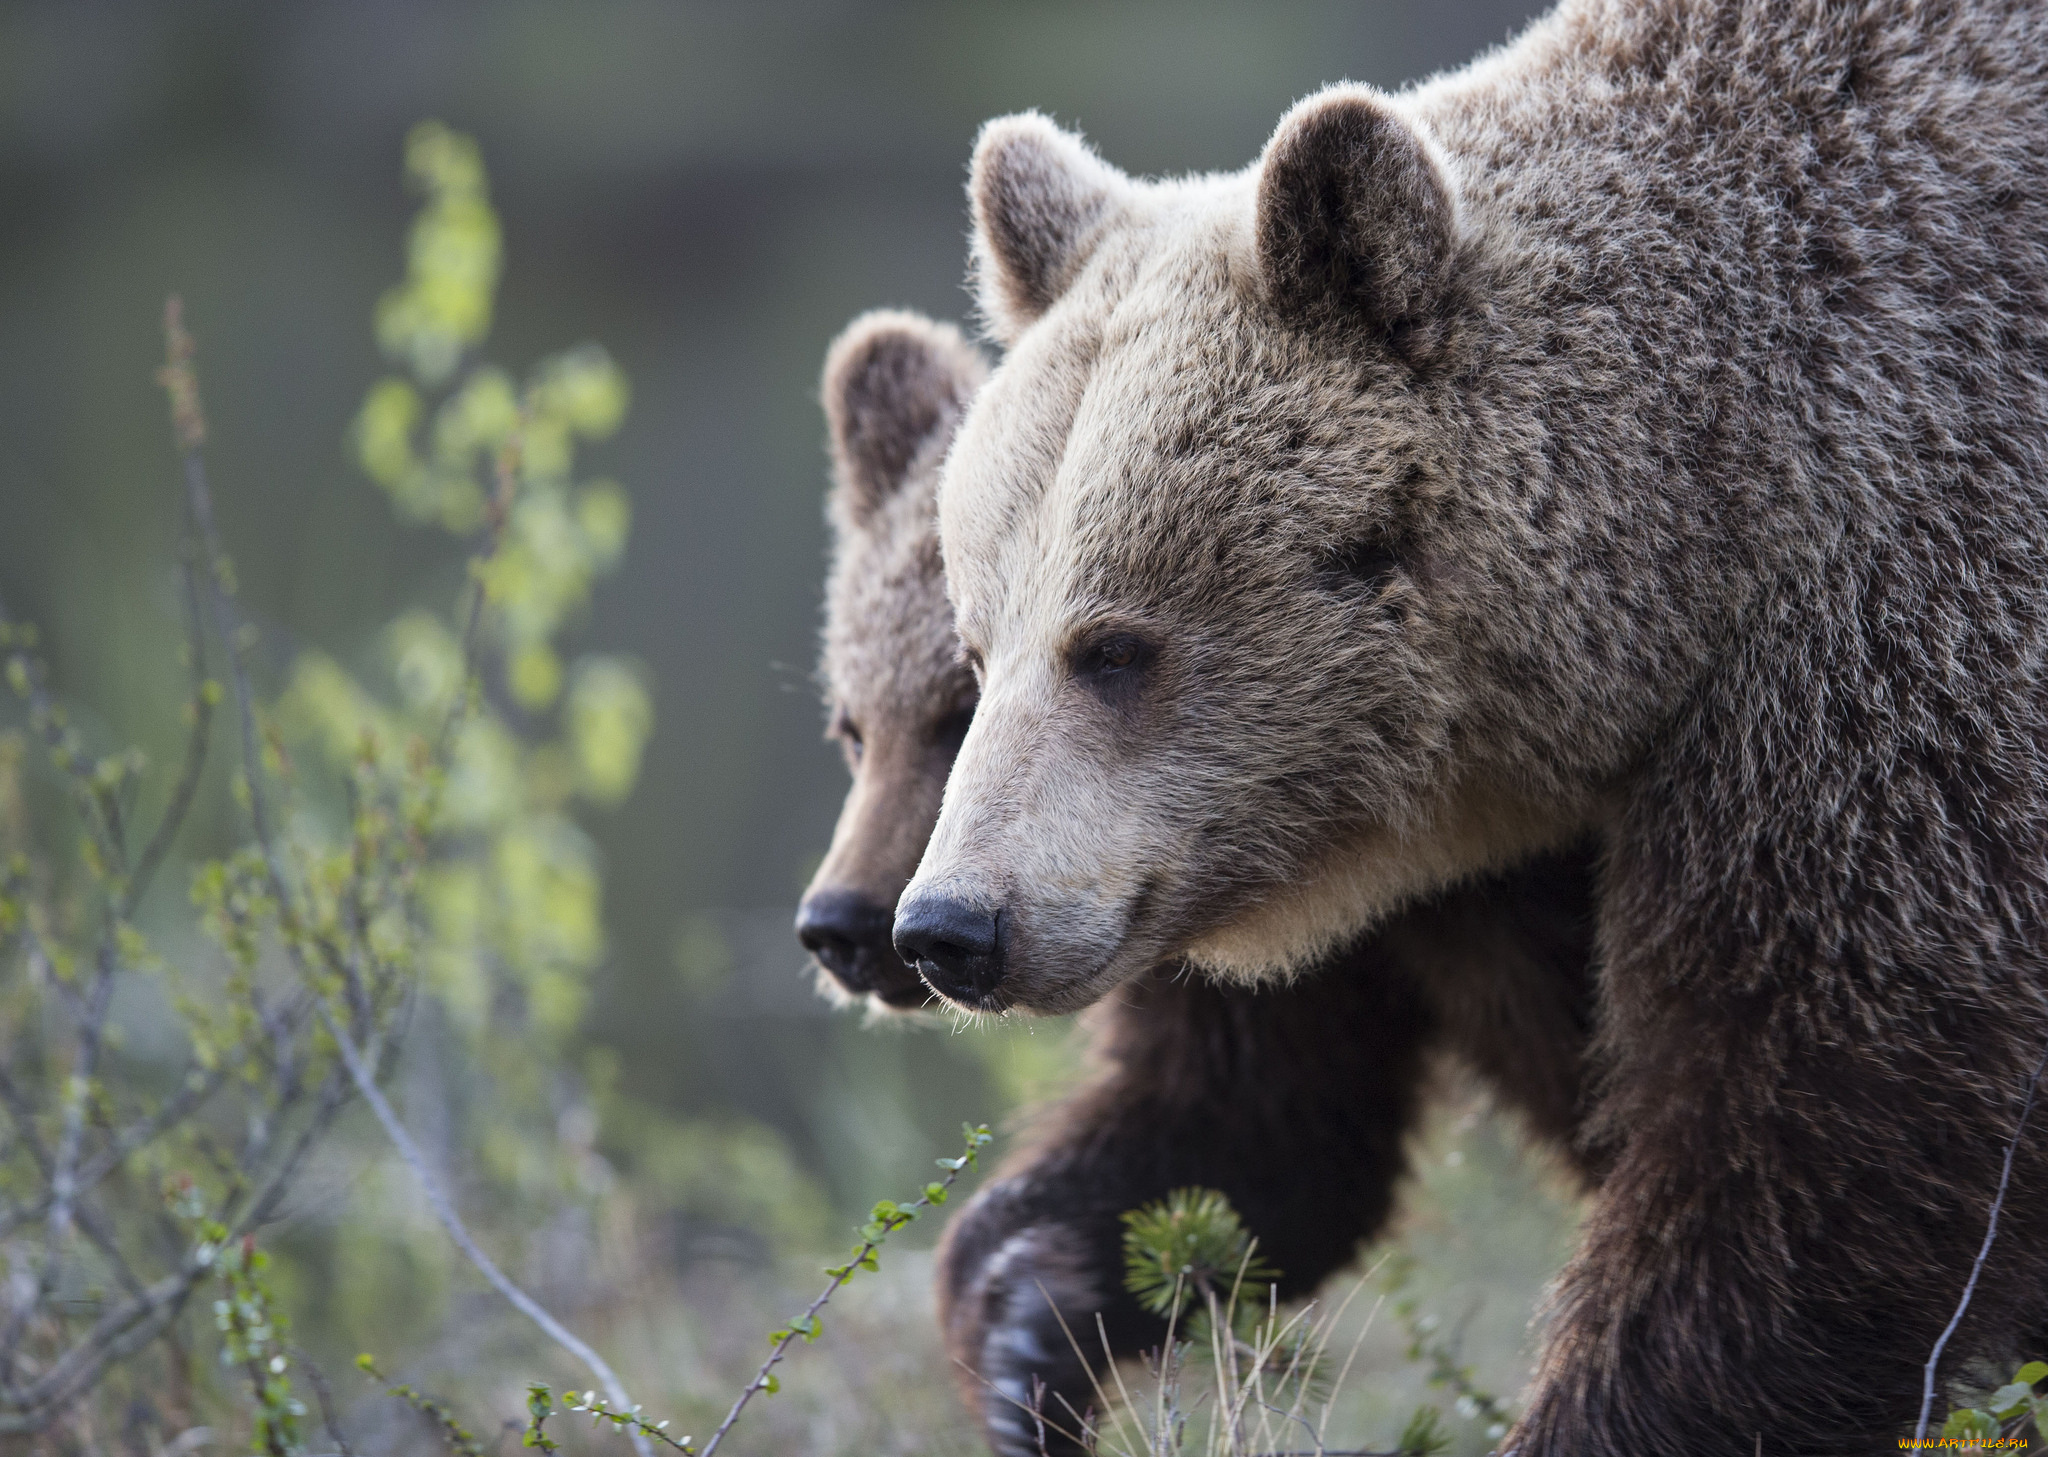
1642,431
898,697
1294,1100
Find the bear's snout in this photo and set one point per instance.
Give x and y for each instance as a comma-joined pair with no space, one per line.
956,947
849,934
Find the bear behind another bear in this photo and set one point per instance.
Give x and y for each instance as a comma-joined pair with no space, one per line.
1295,1101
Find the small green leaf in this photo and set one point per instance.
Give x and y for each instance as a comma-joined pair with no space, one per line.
1970,1424
2031,1373
1424,1435
2009,1401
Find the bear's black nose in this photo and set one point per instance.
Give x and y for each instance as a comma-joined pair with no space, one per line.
953,945
849,934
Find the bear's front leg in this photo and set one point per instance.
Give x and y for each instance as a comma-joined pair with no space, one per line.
1293,1101
1788,1224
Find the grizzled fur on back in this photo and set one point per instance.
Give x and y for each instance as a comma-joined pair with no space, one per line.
1642,430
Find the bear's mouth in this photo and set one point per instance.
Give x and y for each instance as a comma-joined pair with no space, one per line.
1066,977
916,996
993,1002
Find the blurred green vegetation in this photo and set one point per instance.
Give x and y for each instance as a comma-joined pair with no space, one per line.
713,191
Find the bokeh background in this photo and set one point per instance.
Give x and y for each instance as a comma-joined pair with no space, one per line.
710,190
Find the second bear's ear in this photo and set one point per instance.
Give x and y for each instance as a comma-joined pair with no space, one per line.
1354,213
1039,195
894,383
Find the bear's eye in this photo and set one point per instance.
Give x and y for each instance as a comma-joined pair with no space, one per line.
847,732
1367,566
1112,664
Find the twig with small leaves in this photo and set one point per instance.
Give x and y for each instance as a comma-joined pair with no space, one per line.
540,1405
325,1396
1984,1252
886,1218
69,1172
206,694
457,1438
252,1336
181,380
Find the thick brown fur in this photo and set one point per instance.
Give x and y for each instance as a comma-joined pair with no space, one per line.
1679,472
1294,1100
897,695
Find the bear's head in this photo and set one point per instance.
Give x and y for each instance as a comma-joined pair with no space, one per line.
898,697
1231,590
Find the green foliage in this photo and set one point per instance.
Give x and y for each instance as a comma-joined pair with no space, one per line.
226,1126
1262,1382
1192,1245
2013,1411
888,1217
444,305
252,1332
1428,1345
540,1406
1424,1435
453,1434
440,856
513,905
1189,1259
885,1219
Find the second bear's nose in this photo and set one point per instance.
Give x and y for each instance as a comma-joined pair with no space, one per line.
836,926
849,934
953,945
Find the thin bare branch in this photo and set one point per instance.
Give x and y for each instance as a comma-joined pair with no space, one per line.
133,1325
805,1324
95,805
444,1209
1984,1251
64,1167
95,1227
182,383
325,1397
196,742
142,1132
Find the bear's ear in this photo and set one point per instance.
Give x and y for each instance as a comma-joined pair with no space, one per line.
894,383
1355,213
1039,196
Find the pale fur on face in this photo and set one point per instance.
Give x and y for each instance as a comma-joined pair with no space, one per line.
895,387
1219,436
